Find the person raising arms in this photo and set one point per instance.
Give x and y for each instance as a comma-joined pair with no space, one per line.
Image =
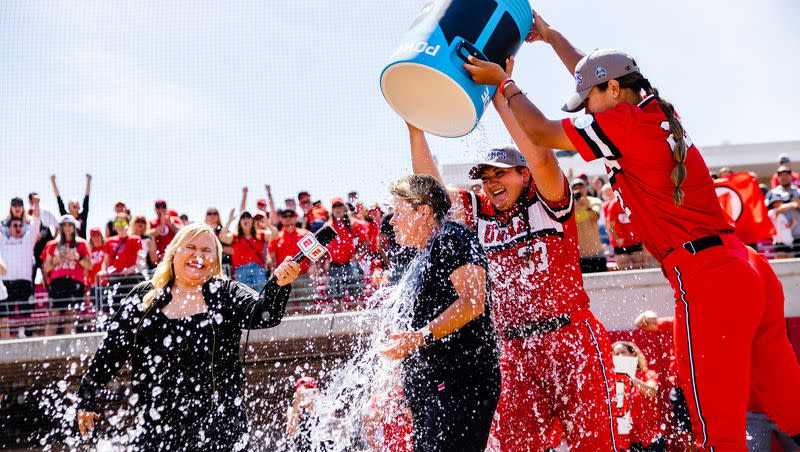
665,188
525,222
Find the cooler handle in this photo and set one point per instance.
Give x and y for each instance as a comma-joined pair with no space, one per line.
464,50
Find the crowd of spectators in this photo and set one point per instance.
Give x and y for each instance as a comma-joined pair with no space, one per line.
56,268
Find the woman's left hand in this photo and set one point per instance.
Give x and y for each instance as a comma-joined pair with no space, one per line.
403,344
485,72
287,272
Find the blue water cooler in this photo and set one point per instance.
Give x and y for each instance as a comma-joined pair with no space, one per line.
424,81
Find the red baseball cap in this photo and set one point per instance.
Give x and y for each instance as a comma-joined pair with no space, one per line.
336,200
160,203
261,201
94,231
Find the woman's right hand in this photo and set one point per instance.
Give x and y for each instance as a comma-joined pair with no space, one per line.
540,29
86,422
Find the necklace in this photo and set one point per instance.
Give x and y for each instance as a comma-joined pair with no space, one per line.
187,292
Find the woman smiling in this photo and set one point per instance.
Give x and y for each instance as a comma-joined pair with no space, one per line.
181,334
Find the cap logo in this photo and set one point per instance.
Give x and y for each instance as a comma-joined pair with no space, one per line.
497,155
578,78
600,72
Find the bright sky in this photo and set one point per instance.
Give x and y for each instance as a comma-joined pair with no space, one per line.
191,100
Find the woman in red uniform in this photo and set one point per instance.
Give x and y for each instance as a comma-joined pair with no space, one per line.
525,222
721,286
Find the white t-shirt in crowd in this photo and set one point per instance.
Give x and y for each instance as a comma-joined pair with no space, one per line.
18,253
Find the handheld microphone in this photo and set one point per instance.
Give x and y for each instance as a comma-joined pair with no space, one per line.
314,246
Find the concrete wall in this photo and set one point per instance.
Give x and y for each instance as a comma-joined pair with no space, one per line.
617,298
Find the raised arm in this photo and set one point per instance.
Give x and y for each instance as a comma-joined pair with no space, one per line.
568,53
225,235
88,185
542,161
540,130
422,160
244,200
62,210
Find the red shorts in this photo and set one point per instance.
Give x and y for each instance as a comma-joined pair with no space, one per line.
568,375
731,343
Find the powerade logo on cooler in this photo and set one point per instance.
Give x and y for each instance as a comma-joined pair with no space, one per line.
311,248
419,47
486,97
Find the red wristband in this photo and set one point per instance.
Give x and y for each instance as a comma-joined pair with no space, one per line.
505,82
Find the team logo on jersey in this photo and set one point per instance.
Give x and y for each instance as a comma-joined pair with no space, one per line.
578,78
584,122
600,72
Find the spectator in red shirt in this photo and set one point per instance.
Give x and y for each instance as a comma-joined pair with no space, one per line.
285,244
96,246
680,425
163,228
65,259
372,224
628,250
124,260
784,160
248,260
266,230
119,207
648,415
345,276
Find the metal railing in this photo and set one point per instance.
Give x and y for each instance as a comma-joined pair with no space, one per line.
310,295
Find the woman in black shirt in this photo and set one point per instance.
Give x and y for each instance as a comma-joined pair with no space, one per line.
80,214
451,374
181,334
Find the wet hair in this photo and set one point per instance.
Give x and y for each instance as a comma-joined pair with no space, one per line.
422,190
637,82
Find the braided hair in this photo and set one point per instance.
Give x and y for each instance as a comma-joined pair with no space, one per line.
638,83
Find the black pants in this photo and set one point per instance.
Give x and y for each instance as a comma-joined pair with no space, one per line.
66,294
19,294
593,264
680,410
457,418
659,445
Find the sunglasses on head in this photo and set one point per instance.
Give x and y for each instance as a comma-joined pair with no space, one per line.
212,213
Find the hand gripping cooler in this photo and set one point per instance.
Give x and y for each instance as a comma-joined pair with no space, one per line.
424,81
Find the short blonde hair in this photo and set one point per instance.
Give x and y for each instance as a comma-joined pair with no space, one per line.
422,190
165,271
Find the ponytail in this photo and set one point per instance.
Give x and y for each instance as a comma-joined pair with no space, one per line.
678,147
637,82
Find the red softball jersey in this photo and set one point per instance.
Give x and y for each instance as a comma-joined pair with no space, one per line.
533,256
634,142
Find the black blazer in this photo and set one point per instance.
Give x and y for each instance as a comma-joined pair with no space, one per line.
232,307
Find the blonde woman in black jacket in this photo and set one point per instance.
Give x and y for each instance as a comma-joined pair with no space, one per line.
181,332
